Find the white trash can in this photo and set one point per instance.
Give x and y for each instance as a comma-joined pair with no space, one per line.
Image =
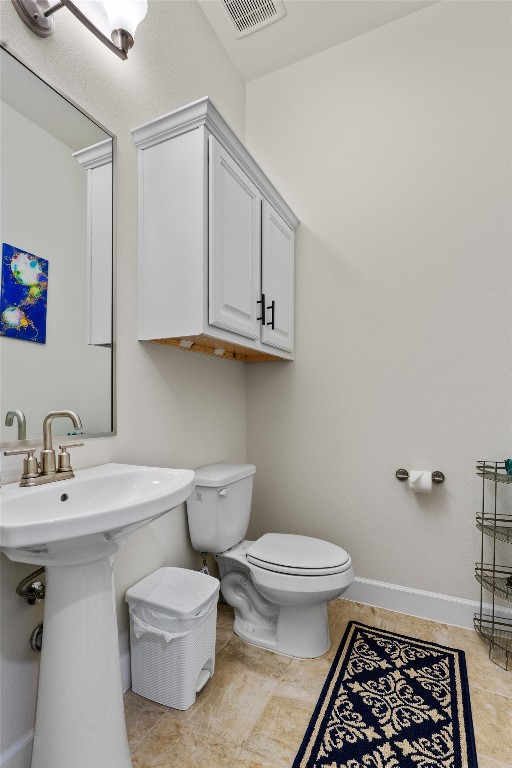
173,615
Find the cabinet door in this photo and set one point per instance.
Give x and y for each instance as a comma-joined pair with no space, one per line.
277,265
234,245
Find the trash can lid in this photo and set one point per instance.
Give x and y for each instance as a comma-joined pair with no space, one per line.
176,592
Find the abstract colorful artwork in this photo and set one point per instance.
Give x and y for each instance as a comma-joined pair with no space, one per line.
23,295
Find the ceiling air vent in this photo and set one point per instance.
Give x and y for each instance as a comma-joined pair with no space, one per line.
250,15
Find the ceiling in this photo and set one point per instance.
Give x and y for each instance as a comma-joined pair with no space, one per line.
309,27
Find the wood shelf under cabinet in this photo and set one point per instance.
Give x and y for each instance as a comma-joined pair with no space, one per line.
206,345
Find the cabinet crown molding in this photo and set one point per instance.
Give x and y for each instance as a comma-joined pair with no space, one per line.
204,113
96,155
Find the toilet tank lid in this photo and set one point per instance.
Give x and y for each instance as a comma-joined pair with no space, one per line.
217,475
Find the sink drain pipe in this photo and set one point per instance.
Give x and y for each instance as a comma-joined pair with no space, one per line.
36,638
31,589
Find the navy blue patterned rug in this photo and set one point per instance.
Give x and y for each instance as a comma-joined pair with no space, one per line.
391,701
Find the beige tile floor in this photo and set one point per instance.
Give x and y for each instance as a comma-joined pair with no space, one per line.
254,711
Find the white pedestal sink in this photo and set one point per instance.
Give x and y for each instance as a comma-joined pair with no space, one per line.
73,527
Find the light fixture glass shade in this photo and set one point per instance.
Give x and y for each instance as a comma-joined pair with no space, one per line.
125,14
112,21
94,11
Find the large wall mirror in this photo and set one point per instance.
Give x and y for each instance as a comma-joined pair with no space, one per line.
56,343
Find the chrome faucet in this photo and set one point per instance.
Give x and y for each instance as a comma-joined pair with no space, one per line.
48,470
22,424
48,463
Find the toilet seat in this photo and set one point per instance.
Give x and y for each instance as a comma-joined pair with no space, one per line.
297,555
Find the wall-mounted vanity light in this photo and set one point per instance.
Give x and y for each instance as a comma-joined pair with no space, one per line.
112,21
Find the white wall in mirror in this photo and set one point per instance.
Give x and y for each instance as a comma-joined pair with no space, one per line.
46,212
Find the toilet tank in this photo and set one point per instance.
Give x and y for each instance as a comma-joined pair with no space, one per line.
219,508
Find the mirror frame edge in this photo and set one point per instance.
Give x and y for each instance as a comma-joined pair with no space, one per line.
36,441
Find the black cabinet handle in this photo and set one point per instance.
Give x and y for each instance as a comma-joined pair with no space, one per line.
262,302
273,308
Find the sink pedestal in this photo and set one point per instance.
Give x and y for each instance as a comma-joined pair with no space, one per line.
80,716
74,527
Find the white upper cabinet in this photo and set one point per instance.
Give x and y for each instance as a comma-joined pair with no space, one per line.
235,245
216,242
277,279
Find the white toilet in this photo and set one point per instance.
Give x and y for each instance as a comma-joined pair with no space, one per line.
278,585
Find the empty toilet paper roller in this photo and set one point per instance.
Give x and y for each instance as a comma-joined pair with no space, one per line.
420,480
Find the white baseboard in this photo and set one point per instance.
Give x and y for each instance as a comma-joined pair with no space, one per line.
416,602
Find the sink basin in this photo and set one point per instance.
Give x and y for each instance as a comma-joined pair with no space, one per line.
71,520
73,527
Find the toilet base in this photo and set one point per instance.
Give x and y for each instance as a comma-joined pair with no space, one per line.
300,632
297,630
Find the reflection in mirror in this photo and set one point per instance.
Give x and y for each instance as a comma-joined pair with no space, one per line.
56,232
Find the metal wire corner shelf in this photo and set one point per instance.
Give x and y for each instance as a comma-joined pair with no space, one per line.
496,630
499,527
493,470
495,578
498,633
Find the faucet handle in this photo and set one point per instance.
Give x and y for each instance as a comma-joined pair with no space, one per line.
30,466
64,460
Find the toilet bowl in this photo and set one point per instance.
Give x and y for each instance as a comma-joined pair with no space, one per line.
283,610
279,585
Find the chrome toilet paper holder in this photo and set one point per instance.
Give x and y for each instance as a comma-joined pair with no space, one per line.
403,474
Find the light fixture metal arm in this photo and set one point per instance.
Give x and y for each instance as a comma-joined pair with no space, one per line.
33,13
96,32
53,8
